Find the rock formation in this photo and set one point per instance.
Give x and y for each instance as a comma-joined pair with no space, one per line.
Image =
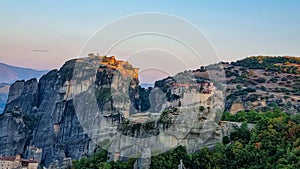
70,111
42,113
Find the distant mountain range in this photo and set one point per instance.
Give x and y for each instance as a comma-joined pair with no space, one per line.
9,74
146,85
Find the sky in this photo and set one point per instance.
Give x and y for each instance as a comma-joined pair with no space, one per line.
44,34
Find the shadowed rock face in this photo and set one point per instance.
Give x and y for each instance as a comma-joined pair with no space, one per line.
42,114
4,89
23,94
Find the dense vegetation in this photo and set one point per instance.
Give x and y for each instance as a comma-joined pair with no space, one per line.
270,64
99,161
274,142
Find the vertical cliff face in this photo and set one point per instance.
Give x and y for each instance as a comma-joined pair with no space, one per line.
23,95
55,127
16,131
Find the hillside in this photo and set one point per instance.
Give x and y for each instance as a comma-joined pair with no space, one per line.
264,83
255,83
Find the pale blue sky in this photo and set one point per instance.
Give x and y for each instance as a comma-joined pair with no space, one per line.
43,34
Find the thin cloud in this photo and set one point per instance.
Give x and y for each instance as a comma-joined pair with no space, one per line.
40,50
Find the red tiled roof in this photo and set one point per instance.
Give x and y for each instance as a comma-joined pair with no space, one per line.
8,158
13,158
29,161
